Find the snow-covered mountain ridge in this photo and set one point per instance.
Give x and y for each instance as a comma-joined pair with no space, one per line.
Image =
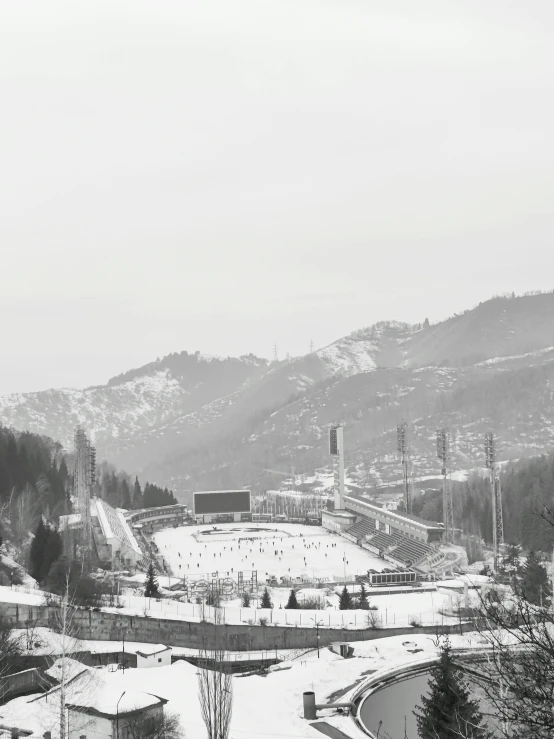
188,418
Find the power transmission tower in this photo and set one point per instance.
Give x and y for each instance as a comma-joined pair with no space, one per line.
443,453
311,346
275,354
497,522
402,445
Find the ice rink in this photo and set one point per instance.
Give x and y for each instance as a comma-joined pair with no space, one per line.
289,550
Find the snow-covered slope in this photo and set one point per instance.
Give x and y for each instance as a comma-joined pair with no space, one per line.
189,419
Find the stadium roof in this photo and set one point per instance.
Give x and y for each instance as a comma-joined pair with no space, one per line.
396,514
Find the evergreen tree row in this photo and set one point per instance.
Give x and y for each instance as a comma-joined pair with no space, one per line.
117,489
33,463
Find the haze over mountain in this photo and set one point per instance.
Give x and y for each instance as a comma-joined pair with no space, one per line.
192,421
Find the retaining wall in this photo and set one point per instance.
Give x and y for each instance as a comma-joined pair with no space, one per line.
102,626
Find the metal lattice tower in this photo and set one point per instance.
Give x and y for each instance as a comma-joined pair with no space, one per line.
443,453
84,477
497,522
402,446
336,450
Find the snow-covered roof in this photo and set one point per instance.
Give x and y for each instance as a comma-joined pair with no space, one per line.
114,525
72,668
152,649
105,703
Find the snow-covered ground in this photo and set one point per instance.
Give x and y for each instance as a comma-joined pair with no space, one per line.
262,706
21,594
290,550
393,609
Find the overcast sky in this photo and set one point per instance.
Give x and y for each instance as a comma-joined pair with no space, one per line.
221,175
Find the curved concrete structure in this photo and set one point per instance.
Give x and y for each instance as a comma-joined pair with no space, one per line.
383,678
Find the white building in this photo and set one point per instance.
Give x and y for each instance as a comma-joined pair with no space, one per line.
113,535
105,715
154,655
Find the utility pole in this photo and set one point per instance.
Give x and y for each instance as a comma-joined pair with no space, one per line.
402,445
317,625
497,522
443,453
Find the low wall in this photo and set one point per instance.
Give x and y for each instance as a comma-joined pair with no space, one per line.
21,683
102,626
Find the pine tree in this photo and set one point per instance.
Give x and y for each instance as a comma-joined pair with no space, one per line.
137,494
37,550
345,603
151,588
266,600
53,549
292,601
447,711
363,602
246,599
125,495
5,480
535,587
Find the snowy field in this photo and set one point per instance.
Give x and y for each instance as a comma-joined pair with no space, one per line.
281,550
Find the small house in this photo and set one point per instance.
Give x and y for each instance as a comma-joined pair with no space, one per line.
109,715
153,655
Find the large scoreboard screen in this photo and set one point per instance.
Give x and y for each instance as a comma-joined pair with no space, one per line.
221,501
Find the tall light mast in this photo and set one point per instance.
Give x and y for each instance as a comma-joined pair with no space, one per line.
84,477
402,446
496,492
443,454
336,450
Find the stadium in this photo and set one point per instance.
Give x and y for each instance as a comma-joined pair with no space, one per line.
223,543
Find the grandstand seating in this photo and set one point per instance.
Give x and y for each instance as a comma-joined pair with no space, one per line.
364,527
411,551
385,541
148,556
114,538
398,547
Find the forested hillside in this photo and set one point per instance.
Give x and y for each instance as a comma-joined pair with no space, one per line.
36,480
528,504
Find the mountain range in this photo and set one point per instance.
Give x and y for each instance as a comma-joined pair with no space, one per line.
195,422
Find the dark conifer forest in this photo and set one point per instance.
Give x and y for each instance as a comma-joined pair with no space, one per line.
36,479
527,502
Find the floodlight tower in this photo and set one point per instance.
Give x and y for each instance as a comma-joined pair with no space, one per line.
402,445
84,477
443,453
336,450
497,522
